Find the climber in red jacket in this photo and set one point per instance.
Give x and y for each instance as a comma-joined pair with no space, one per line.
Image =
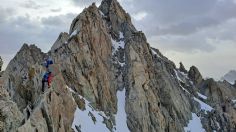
48,75
49,79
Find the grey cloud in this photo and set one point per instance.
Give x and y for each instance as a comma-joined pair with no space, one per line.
83,3
188,27
169,11
206,40
5,13
58,21
30,4
186,44
19,30
187,16
172,25
221,12
56,10
15,32
224,10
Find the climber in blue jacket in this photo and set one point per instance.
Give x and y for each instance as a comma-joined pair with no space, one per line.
47,77
48,62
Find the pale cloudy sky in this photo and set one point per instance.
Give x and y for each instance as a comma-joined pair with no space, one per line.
196,32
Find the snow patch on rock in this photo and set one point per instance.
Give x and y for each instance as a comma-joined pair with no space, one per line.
202,96
83,119
180,77
75,32
118,44
121,117
155,53
194,125
203,105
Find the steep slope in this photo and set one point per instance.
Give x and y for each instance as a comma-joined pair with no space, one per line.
53,111
155,101
86,61
102,55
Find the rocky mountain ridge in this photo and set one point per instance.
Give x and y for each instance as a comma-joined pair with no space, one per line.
101,55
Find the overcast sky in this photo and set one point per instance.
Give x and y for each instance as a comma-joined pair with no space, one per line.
196,32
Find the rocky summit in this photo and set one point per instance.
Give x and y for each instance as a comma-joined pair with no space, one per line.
107,78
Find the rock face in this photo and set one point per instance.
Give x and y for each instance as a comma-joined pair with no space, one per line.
54,111
153,95
10,116
117,19
102,54
23,75
220,95
86,63
195,75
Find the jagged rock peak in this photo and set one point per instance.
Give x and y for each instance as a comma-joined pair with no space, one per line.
117,18
81,19
62,39
195,75
113,6
29,52
27,47
182,68
22,66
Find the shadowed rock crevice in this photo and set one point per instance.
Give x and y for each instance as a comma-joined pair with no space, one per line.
47,119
